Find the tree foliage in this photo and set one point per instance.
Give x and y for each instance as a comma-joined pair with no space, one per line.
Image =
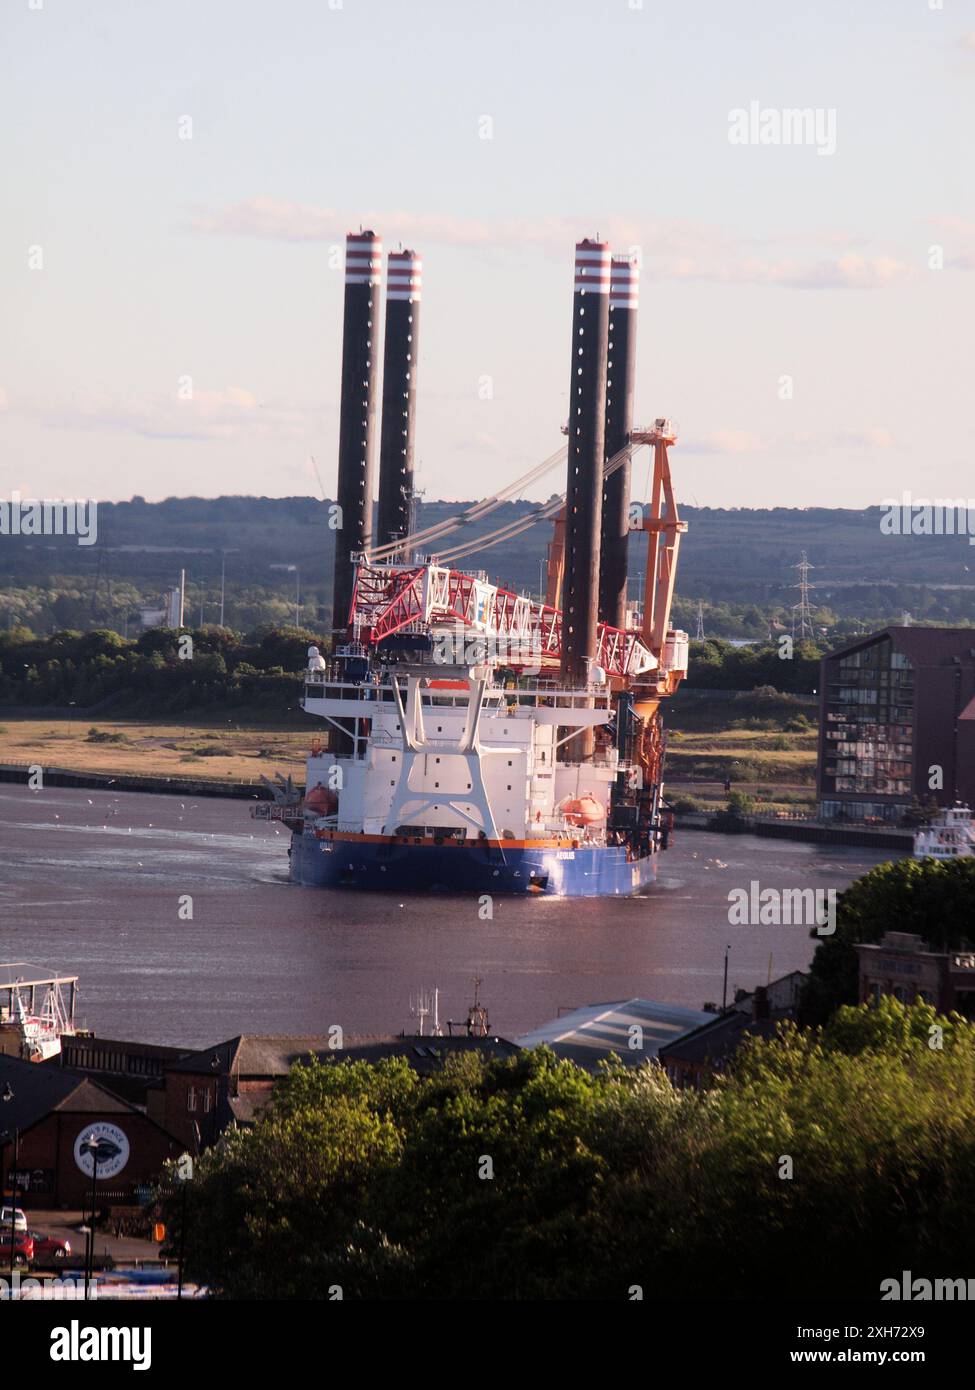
934,899
821,1162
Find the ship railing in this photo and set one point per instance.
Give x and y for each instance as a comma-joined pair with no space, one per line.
275,810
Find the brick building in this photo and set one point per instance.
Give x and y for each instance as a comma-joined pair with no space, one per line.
902,965
52,1112
698,1055
897,723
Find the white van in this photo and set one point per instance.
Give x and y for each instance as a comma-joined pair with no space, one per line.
20,1220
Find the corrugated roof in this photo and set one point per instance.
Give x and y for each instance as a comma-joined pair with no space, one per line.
717,1039
590,1033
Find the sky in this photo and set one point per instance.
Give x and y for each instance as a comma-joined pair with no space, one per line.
178,175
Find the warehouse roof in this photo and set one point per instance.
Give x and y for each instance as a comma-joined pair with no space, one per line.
589,1034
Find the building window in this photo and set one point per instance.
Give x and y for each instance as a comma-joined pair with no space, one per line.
206,1101
191,1098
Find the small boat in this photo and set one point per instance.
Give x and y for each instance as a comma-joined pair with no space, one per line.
950,836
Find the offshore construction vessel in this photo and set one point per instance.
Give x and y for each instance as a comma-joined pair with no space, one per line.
475,739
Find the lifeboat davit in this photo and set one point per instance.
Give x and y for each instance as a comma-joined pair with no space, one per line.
583,810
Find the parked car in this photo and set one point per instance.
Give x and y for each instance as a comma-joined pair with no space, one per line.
49,1247
23,1248
20,1220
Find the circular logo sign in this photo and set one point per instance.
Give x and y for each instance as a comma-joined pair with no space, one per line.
113,1149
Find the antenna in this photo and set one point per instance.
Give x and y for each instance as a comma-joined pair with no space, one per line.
699,634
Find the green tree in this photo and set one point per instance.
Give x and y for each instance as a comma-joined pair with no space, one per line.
934,899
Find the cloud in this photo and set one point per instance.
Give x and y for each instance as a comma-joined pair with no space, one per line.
671,249
852,272
230,413
725,441
967,41
730,440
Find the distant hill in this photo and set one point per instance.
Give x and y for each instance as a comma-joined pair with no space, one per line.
729,556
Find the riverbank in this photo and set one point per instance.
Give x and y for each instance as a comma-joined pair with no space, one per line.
156,753
132,782
809,831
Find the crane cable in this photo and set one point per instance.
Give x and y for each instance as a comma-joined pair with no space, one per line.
541,513
419,539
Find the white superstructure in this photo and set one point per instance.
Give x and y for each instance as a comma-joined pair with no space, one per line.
951,836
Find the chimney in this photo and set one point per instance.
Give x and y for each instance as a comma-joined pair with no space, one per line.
624,290
403,285
587,434
760,1003
357,414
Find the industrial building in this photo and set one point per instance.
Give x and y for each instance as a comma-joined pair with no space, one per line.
897,723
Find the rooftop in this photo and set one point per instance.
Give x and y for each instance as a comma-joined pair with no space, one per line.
588,1034
38,1088
258,1057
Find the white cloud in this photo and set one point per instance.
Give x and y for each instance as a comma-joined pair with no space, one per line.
730,440
671,249
230,413
725,441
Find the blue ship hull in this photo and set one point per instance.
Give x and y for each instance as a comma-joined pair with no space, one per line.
381,865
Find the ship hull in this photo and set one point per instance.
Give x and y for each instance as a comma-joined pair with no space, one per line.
378,865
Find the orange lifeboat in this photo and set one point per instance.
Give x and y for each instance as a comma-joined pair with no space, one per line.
582,810
321,802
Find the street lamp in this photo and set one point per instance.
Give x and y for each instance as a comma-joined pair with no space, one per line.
184,1176
8,1095
91,1146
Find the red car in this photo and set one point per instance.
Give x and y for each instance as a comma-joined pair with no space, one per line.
23,1247
50,1247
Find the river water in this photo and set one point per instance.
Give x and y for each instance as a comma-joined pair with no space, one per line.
91,884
